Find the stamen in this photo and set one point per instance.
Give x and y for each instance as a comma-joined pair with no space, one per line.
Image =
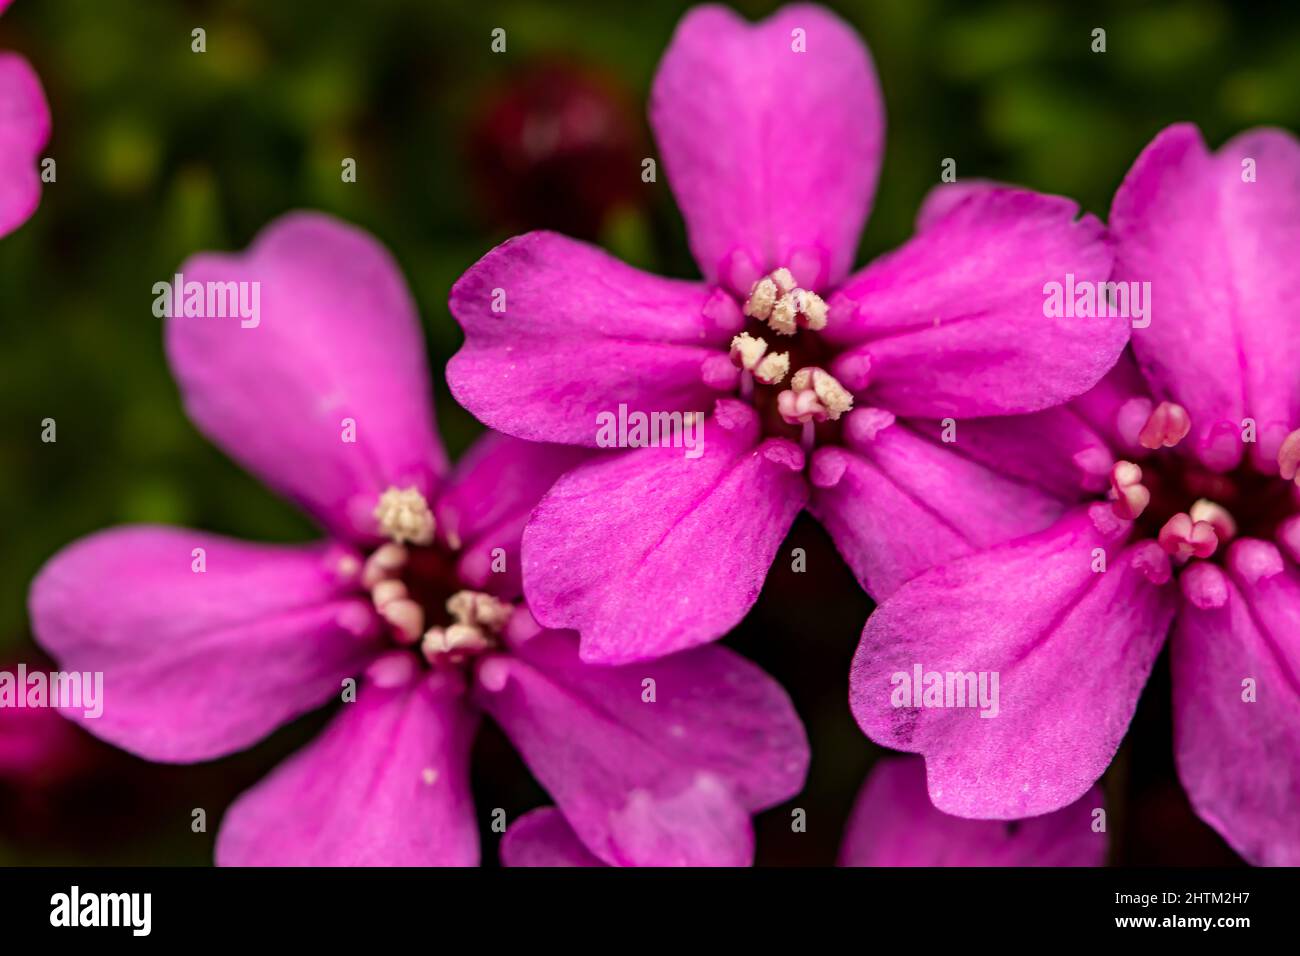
396,607
479,610
784,280
406,617
1288,457
386,562
1183,539
404,515
813,395
747,350
773,369
453,644
750,353
387,590
812,307
1168,425
776,300
479,621
1217,516
761,299
783,314
1128,495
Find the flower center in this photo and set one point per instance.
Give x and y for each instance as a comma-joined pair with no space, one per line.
412,581
1191,511
779,346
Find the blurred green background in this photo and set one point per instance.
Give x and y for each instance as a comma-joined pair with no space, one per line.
162,152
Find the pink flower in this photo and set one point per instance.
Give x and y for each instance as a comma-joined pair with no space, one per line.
771,136
24,131
892,823
208,644
1199,535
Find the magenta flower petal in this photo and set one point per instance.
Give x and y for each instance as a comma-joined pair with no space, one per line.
486,502
200,664
1072,649
337,342
771,135
1239,760
1219,252
897,503
605,549
931,340
712,709
649,783
580,334
542,837
1057,452
386,784
893,823
24,131
945,197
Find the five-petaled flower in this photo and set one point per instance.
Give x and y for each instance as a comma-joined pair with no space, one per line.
817,377
208,644
1191,447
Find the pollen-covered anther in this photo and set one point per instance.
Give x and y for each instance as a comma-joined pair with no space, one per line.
812,309
479,620
1167,425
480,610
453,644
1288,457
761,299
1184,539
404,515
814,395
749,352
1216,516
1128,495
776,300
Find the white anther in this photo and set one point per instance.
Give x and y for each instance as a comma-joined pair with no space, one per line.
404,515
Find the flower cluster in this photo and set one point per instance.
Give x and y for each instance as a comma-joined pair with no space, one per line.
1036,499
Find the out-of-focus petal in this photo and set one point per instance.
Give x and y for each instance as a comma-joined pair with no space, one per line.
486,503
386,784
653,764
201,663
24,132
325,393
542,837
893,823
